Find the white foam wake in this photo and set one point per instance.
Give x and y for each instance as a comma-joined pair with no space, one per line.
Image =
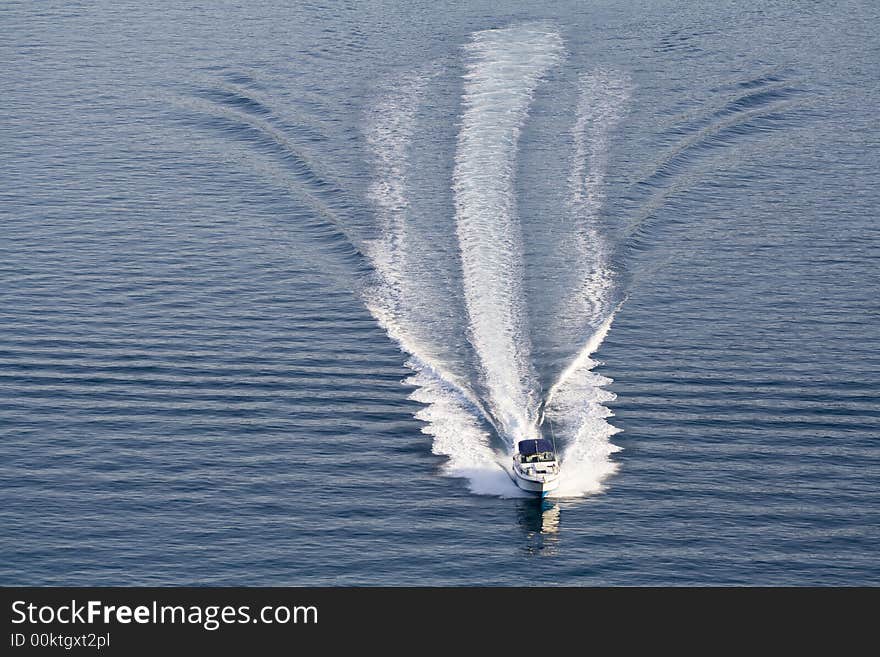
601,101
453,414
574,406
575,411
503,69
390,128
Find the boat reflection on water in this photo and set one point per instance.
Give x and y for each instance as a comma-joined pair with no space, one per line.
539,519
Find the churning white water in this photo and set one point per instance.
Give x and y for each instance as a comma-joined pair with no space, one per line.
475,418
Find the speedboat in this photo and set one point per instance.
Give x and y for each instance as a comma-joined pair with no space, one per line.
535,466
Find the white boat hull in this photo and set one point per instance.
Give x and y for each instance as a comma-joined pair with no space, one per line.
541,484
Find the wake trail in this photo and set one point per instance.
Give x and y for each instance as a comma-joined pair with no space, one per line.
495,391
503,68
574,404
453,414
601,103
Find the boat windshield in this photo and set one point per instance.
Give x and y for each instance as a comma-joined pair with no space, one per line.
539,457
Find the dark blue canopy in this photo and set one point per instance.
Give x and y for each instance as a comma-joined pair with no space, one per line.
529,447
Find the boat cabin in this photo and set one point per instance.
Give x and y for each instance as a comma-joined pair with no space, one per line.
535,450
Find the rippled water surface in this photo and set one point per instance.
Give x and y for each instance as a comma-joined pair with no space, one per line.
282,283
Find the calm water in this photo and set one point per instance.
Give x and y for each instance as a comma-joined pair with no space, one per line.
280,285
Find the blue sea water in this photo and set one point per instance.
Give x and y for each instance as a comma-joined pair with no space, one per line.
280,283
